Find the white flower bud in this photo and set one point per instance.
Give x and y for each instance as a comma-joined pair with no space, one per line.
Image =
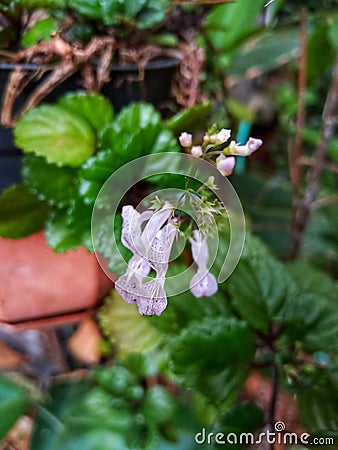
197,151
225,164
222,136
185,139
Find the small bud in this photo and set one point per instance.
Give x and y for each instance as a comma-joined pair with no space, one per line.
197,151
254,144
244,150
225,165
185,139
222,136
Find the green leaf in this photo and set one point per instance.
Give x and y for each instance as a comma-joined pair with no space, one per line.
21,212
93,107
124,326
333,30
33,4
246,418
122,146
190,119
159,405
89,8
259,289
41,31
211,356
320,55
13,403
318,404
202,344
317,330
62,137
227,24
136,116
264,53
56,185
60,236
70,227
80,415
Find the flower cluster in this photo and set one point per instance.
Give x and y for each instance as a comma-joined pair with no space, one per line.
225,161
151,248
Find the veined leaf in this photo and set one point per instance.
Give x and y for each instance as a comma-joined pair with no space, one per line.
259,289
52,131
93,107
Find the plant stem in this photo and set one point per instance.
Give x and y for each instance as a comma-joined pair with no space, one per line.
274,399
329,121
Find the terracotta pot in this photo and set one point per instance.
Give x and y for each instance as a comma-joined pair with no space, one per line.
36,282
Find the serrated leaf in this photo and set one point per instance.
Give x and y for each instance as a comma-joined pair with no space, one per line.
56,185
59,135
70,227
21,212
59,235
122,324
121,148
259,289
13,403
93,107
202,344
136,116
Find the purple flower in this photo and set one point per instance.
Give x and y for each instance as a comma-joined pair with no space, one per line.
203,283
151,248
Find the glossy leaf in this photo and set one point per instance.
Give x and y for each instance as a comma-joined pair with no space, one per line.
93,107
21,212
190,119
13,403
56,185
68,228
122,144
62,137
42,30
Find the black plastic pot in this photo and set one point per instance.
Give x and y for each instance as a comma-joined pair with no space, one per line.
124,88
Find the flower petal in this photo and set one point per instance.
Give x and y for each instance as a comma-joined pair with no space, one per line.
203,284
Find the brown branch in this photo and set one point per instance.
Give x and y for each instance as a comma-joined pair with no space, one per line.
329,121
328,165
